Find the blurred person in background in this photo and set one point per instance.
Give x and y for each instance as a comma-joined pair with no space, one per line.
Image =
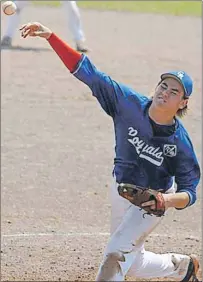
74,23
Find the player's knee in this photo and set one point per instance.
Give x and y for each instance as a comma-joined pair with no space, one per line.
110,268
112,259
116,256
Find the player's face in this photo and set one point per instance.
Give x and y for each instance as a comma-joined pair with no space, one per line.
169,94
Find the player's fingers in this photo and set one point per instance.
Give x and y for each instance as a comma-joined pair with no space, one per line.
22,27
26,26
25,29
27,32
149,203
31,26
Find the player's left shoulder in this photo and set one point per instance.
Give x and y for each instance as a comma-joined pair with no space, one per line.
183,139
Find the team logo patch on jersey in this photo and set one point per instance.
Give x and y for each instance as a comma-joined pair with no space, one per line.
170,150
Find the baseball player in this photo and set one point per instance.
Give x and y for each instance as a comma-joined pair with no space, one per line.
74,23
154,150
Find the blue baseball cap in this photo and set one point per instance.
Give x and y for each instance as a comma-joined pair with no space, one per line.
183,78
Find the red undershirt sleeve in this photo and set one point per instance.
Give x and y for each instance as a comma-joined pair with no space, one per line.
67,54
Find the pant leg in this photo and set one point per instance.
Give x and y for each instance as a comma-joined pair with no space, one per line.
125,253
74,20
150,265
14,20
128,231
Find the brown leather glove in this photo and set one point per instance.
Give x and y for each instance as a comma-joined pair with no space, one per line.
138,195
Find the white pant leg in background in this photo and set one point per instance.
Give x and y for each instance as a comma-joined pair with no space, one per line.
74,21
125,253
14,20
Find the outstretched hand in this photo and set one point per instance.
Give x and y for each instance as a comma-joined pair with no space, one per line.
35,29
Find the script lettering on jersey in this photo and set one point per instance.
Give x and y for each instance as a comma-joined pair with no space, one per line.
145,151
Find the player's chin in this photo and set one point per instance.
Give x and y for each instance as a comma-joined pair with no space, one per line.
159,102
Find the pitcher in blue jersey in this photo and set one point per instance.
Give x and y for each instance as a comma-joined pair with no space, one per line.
152,149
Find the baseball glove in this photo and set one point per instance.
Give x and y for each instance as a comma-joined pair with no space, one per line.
138,195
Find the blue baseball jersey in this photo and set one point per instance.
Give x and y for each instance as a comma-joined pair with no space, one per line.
140,157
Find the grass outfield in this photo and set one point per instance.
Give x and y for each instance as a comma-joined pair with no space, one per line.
190,8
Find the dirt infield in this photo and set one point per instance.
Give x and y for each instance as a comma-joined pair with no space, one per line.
57,143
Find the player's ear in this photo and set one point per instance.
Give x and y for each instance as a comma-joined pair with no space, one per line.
183,104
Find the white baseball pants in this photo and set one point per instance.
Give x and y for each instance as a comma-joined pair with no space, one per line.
71,11
125,253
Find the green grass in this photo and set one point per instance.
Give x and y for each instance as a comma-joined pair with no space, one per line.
179,8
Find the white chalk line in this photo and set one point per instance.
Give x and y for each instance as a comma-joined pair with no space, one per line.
88,234
71,234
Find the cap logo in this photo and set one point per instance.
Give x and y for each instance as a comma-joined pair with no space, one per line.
180,74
